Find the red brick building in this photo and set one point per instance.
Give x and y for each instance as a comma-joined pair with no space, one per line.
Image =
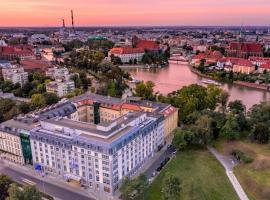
244,50
16,51
147,45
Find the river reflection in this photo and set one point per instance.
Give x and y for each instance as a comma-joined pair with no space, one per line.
176,76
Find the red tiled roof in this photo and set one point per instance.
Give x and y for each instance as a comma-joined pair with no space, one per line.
169,111
265,66
244,62
259,59
200,56
131,107
30,64
17,49
126,50
246,47
147,45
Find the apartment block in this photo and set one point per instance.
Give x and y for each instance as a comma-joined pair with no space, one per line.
15,74
15,140
60,87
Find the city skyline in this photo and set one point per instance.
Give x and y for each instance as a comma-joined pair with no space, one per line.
135,13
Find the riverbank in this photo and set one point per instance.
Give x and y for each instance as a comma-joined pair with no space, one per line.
240,83
140,66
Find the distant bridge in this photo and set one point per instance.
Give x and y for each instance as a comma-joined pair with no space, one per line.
178,58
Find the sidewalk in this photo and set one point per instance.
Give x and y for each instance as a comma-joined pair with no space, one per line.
229,172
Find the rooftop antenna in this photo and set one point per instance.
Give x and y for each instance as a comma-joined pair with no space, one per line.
72,20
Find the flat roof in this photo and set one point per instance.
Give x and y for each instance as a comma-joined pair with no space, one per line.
93,129
97,98
21,123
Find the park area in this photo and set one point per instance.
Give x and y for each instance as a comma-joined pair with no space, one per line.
255,176
201,175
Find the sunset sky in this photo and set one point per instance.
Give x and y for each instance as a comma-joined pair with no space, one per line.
134,12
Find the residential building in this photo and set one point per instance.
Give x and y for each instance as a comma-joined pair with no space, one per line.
264,67
97,156
243,66
39,38
15,140
15,133
258,61
58,73
209,58
15,74
60,87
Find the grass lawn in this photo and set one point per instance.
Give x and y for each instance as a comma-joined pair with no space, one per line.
254,177
203,178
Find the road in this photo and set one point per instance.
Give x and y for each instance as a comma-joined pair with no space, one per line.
58,191
167,153
229,163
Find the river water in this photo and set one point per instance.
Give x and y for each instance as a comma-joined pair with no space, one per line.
175,76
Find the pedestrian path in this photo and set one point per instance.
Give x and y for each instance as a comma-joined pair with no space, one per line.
229,172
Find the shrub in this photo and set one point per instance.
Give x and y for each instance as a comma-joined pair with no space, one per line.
241,156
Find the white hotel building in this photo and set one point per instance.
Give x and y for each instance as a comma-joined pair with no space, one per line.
97,156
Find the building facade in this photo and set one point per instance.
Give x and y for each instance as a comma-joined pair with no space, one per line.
97,109
244,50
127,54
15,140
97,156
15,74
60,87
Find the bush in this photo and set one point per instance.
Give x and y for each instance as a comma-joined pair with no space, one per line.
241,156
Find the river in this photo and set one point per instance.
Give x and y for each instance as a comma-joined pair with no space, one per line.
176,76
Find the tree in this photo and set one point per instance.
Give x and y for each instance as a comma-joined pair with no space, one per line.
237,107
126,188
260,113
14,193
213,94
30,192
203,130
38,101
51,98
145,90
223,99
116,60
171,187
179,140
111,88
27,193
129,186
189,99
231,129
24,107
5,182
261,133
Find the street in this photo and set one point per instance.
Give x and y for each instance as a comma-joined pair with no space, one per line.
156,164
56,190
